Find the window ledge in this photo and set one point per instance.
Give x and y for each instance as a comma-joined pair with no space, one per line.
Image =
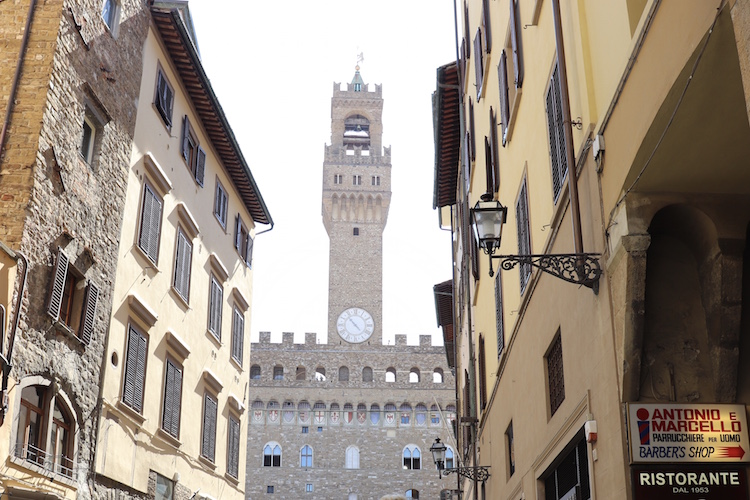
235,481
178,344
157,173
168,438
235,402
212,380
236,364
219,268
241,300
182,300
130,413
206,462
151,263
67,331
186,217
216,340
142,310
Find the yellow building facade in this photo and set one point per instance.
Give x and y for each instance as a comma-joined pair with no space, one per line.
555,380
173,414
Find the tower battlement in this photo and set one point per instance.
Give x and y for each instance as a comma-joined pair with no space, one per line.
365,91
287,339
337,153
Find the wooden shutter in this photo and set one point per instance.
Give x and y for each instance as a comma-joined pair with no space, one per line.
200,166
237,235
172,399
478,63
208,444
466,30
499,321
515,41
482,374
233,452
249,256
148,239
556,132
182,265
58,284
486,29
522,227
89,312
472,138
215,303
502,79
135,370
488,168
494,153
238,335
185,142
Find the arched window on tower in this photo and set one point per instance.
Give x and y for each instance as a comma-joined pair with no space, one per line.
320,374
357,132
390,375
412,493
278,372
414,376
301,373
255,372
367,374
343,374
272,455
437,376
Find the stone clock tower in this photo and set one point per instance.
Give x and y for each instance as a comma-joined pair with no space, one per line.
356,197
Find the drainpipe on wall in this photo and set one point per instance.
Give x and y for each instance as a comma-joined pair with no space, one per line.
17,75
575,210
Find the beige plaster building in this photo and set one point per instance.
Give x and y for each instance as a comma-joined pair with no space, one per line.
173,406
597,391
351,418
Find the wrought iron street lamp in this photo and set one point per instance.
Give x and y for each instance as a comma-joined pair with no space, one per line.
487,219
477,473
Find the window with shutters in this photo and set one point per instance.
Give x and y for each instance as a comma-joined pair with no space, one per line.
555,375
510,72
238,334
524,233
73,300
412,457
46,427
170,421
192,153
220,204
233,447
243,242
499,320
215,303
482,374
150,224
208,440
272,455
182,263
164,98
478,63
556,134
135,369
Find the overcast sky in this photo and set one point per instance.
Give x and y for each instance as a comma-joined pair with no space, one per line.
272,65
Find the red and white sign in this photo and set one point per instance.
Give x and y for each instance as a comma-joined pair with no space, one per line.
678,433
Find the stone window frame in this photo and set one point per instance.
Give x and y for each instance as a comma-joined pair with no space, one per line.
164,489
111,16
278,372
356,180
255,372
390,372
53,394
306,457
309,488
351,457
414,375
338,179
438,373
344,374
269,454
367,374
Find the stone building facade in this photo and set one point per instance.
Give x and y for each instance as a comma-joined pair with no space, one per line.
70,76
351,419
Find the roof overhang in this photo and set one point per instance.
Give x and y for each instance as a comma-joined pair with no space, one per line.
446,115
186,60
444,310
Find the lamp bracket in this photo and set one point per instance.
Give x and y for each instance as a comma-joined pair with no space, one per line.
577,268
478,473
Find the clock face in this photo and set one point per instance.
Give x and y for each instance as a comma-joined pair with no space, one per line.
355,325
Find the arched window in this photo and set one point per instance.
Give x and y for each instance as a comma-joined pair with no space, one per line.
343,374
421,414
405,413
255,372
272,455
367,374
34,417
374,414
434,415
306,457
449,457
412,457
320,374
414,376
412,493
301,373
278,372
352,458
437,376
390,375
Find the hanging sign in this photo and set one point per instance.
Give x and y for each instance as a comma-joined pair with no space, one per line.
684,433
